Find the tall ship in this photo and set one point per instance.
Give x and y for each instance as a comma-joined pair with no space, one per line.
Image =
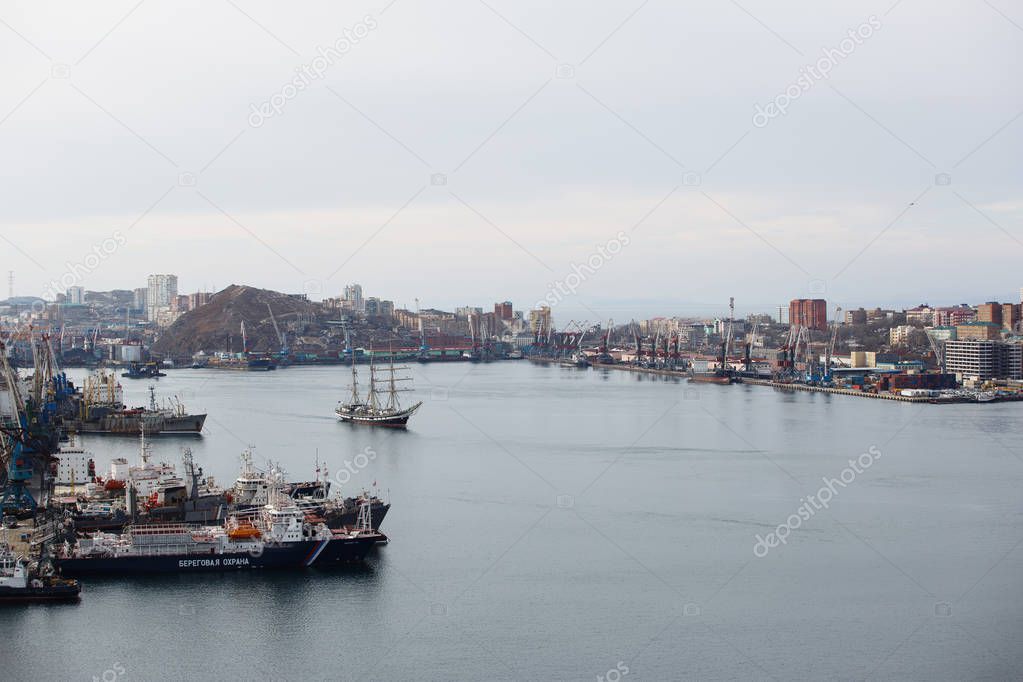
100,409
372,410
279,535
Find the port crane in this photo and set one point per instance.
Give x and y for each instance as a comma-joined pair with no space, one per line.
830,354
280,335
15,458
424,349
938,348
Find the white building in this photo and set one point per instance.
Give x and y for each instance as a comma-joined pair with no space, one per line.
899,336
984,359
162,290
75,295
353,294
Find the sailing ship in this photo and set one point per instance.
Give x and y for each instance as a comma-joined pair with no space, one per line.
371,411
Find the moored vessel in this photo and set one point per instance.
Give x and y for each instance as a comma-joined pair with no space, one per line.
277,536
19,583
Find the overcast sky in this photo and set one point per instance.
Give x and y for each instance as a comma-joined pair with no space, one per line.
466,152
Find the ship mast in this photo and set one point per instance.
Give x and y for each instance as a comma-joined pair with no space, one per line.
355,383
392,396
372,397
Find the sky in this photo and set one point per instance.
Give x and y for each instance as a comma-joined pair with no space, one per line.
619,160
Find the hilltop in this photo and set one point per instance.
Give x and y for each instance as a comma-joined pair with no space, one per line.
216,326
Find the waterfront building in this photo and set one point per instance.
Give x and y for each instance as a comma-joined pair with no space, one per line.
984,359
75,295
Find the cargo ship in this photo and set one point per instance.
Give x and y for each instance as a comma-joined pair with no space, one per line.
278,536
100,409
370,411
20,584
148,370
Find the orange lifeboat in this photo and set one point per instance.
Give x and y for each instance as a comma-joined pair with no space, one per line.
243,531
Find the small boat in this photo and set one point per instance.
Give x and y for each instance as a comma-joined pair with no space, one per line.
20,584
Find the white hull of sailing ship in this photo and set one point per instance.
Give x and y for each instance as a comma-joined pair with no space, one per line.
370,410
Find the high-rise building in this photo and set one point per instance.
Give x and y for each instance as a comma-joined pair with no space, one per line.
161,292
199,298
990,312
75,295
540,319
809,312
376,307
139,298
503,311
353,294
1010,316
984,359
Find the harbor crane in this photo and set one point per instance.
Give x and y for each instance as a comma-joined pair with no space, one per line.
280,335
423,347
938,348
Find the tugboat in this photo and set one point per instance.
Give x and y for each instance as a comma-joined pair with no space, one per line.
370,411
20,584
277,536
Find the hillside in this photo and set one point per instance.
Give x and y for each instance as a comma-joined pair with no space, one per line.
216,326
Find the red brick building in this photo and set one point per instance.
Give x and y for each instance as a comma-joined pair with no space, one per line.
809,312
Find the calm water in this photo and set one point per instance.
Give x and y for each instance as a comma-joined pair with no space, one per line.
552,523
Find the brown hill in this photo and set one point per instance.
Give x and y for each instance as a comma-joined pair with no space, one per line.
216,326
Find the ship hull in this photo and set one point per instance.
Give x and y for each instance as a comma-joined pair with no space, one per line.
350,518
711,379
47,593
129,425
394,420
291,556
